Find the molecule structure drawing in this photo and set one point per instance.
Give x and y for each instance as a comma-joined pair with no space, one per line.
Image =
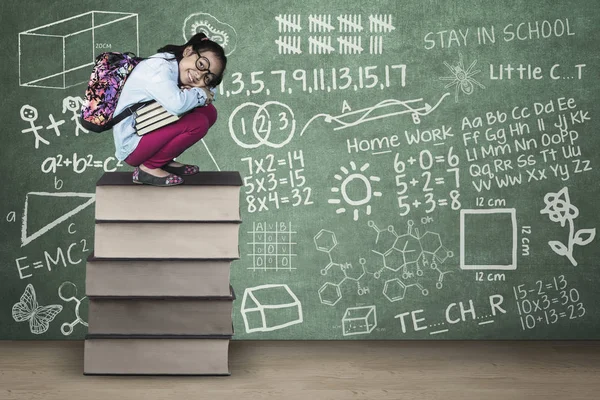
330,293
68,327
406,257
410,253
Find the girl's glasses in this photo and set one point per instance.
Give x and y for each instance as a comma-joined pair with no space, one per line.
210,79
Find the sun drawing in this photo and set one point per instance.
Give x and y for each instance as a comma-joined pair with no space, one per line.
359,186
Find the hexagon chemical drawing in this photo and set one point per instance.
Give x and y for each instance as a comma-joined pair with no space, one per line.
407,256
330,293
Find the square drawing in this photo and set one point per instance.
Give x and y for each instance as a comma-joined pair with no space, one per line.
488,239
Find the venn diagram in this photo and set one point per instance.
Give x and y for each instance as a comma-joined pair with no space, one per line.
253,125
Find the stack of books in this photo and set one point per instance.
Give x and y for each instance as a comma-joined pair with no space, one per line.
153,116
158,280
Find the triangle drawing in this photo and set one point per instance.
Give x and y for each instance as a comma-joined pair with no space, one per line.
25,239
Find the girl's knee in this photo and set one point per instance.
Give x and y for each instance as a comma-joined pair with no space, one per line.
132,162
199,121
211,114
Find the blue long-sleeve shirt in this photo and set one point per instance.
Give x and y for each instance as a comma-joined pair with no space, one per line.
155,78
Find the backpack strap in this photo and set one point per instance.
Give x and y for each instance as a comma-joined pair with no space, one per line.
127,112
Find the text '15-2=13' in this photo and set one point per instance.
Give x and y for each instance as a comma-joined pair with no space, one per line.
547,302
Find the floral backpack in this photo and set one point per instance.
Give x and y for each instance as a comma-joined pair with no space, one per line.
108,76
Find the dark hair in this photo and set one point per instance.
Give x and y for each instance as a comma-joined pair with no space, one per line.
199,42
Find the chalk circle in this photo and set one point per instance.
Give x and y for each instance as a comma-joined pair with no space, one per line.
367,184
261,118
67,291
262,125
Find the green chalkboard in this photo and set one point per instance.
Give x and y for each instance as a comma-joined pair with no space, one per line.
412,169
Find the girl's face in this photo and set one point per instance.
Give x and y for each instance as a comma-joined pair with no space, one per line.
198,69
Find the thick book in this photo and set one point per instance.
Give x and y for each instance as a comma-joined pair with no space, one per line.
161,315
148,109
205,196
167,239
153,116
157,277
149,355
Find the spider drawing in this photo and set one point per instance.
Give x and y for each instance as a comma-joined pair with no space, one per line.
462,78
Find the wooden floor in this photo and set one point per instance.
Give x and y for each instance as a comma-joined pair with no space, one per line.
324,370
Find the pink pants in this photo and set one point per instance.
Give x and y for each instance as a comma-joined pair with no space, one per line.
163,145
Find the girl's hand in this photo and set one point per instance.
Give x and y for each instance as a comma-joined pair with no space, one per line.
210,96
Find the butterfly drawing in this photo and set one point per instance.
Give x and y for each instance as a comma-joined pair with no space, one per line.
39,316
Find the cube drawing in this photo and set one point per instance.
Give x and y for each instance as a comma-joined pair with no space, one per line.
60,54
359,320
270,307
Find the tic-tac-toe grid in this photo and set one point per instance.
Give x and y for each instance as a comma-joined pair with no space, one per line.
272,246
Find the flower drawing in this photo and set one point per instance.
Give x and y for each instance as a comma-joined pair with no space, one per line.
559,209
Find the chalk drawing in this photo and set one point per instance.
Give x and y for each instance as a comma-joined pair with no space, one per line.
512,214
416,113
70,50
74,104
67,328
270,307
462,78
25,238
39,317
217,31
354,178
559,209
